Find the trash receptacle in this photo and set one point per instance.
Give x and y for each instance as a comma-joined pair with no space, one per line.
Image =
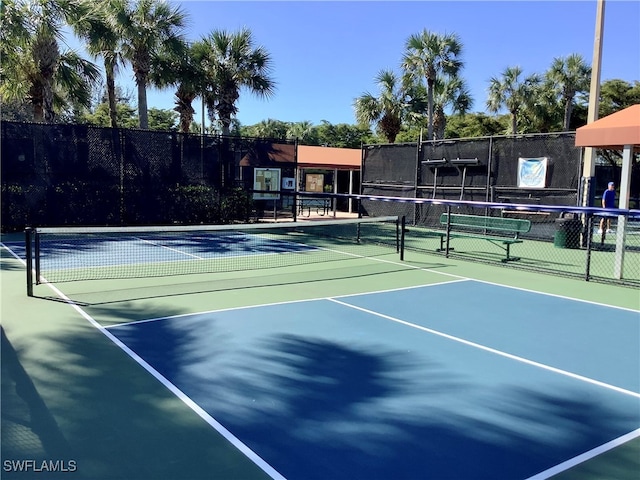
568,228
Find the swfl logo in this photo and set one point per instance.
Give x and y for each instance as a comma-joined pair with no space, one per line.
39,466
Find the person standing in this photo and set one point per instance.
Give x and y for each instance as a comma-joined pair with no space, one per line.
608,201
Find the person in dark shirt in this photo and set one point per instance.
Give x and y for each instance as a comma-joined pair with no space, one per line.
608,201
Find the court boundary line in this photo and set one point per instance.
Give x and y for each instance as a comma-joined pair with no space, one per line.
157,244
591,302
461,277
285,302
588,455
212,422
563,297
495,351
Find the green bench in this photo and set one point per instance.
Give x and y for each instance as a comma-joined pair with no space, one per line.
502,232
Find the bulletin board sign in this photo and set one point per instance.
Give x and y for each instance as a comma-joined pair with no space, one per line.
266,179
314,182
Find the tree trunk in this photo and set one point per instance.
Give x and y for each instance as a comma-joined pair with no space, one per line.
430,108
568,107
143,114
47,103
111,95
226,125
36,102
141,66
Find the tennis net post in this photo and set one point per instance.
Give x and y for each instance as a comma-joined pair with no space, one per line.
28,234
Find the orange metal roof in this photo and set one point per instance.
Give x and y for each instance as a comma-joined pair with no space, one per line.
329,157
613,131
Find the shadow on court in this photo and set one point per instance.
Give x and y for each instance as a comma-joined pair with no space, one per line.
343,416
318,409
114,421
29,430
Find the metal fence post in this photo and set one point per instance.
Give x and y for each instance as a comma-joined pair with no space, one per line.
588,236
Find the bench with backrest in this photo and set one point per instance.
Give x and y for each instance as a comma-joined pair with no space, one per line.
502,232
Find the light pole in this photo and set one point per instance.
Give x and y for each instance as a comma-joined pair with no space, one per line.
589,166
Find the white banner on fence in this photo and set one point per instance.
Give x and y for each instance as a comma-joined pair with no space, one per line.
532,172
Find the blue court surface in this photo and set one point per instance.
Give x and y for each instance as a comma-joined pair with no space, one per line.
457,380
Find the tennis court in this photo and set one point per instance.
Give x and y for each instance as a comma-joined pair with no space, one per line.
265,355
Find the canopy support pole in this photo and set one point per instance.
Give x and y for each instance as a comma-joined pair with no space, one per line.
621,229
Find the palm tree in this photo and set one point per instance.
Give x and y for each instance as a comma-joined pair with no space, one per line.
102,39
182,70
511,92
146,28
33,67
387,110
570,76
270,128
453,93
303,131
427,56
14,37
618,94
232,62
543,113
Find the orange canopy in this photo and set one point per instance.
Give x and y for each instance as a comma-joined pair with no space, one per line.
329,157
613,131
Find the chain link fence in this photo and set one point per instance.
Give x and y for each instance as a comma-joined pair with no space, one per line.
490,169
534,179
559,240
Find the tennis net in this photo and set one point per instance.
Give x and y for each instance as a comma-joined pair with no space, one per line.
93,253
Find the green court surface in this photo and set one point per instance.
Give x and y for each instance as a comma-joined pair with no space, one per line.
78,404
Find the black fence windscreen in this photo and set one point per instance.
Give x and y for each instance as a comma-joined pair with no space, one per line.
390,164
563,165
56,175
478,169
534,169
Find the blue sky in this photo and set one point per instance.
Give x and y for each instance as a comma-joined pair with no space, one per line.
327,53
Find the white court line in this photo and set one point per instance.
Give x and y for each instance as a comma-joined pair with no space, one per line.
156,244
492,350
286,302
429,270
229,234
561,467
236,442
590,302
13,254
